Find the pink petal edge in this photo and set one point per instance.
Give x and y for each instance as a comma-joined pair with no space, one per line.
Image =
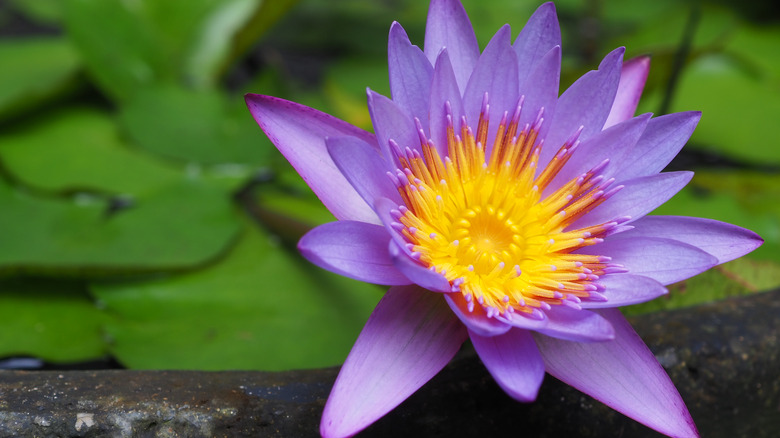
633,76
514,362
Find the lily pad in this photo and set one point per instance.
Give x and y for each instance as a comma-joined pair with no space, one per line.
33,70
194,126
56,321
728,280
44,11
80,149
261,308
757,47
176,227
128,45
736,118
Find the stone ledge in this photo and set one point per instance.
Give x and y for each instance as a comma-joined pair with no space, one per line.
724,358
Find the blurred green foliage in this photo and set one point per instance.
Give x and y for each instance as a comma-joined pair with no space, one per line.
145,216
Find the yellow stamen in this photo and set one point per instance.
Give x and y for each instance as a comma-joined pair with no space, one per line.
485,226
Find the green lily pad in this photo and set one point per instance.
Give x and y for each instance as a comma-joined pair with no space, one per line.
262,307
737,118
80,149
128,45
176,227
56,321
739,277
44,11
757,47
753,275
192,126
34,70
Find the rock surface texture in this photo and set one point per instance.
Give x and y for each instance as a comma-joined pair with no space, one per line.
724,358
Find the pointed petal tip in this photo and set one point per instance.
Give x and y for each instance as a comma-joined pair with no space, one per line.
694,114
327,429
548,11
613,58
252,101
641,62
622,374
398,31
514,362
449,26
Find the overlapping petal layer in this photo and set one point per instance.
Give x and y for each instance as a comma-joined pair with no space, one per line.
522,211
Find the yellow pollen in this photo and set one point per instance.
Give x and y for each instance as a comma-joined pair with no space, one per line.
486,226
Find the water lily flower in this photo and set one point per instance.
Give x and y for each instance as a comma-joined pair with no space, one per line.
501,212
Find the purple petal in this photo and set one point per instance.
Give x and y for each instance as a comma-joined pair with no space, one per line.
449,26
632,82
724,241
577,325
386,209
417,273
626,289
444,93
536,321
622,374
586,103
661,141
496,75
612,143
364,168
541,90
475,319
664,260
299,133
410,73
540,34
638,197
353,249
407,340
514,362
391,123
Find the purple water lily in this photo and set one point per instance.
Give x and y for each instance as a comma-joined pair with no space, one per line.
501,212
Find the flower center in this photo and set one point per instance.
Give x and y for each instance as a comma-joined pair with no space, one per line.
485,224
